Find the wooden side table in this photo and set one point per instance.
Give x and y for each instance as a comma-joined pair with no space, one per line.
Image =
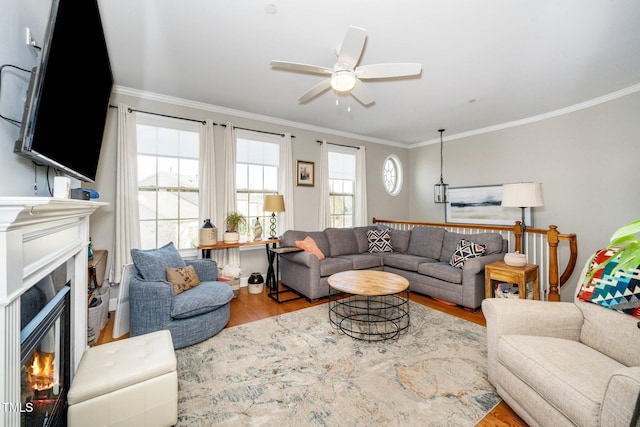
97,268
499,271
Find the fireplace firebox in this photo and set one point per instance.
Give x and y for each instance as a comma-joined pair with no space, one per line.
45,361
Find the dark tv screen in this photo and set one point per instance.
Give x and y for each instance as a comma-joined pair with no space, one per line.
68,96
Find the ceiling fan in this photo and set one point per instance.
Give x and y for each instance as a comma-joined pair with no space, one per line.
346,76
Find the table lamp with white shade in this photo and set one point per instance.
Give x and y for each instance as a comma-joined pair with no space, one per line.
522,195
273,204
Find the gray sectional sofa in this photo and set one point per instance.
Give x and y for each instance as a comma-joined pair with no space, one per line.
421,255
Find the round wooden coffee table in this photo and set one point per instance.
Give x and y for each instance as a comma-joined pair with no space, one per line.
369,305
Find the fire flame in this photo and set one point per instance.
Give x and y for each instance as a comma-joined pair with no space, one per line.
41,373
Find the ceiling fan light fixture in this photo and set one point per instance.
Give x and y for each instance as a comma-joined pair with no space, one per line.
343,80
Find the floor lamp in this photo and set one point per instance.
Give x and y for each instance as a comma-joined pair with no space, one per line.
522,195
273,204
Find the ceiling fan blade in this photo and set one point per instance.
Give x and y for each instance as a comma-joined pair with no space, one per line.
296,66
315,91
352,46
380,71
362,93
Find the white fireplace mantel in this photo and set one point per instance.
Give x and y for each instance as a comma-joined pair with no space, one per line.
37,235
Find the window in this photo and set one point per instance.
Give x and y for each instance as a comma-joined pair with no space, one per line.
168,152
392,175
342,184
257,158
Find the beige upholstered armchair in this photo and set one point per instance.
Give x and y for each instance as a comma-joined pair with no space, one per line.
564,363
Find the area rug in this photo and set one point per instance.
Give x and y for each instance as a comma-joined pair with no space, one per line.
295,369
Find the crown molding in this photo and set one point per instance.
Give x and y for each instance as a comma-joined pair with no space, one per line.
577,107
244,114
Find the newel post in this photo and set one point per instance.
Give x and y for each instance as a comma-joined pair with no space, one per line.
552,240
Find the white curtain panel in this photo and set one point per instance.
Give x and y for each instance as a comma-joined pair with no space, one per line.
206,173
126,209
229,256
324,215
360,210
286,176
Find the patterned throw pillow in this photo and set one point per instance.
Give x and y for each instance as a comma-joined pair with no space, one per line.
379,241
464,251
182,278
611,287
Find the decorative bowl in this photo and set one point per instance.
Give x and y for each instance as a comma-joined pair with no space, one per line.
515,259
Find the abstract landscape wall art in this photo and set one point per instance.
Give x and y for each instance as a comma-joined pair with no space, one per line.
482,205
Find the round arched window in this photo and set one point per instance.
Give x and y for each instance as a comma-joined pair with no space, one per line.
392,175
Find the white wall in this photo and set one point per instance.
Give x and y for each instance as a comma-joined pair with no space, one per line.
587,162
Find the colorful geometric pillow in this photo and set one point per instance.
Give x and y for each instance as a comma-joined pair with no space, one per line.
611,287
379,241
310,245
464,251
182,278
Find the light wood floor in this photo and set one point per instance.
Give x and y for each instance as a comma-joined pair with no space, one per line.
249,307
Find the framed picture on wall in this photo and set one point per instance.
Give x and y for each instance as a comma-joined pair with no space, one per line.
305,171
482,205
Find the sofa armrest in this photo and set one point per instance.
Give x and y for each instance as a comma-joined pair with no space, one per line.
621,403
476,265
304,258
149,305
206,269
507,316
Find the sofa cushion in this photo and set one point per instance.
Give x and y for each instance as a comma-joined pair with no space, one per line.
379,241
363,261
571,376
492,241
309,245
465,250
427,242
400,239
405,261
329,266
361,237
611,287
206,297
342,241
610,332
442,271
182,278
152,263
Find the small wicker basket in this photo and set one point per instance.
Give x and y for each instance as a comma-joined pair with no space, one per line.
507,290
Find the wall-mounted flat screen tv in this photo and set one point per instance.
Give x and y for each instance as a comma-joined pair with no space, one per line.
68,96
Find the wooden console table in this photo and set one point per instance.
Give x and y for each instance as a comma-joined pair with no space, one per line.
206,249
271,275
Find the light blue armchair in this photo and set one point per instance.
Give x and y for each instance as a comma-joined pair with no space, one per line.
191,316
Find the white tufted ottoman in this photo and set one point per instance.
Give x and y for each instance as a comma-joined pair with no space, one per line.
131,382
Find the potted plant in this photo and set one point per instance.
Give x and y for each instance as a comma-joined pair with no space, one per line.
626,240
233,220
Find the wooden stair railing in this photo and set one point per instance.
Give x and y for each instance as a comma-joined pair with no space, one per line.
541,246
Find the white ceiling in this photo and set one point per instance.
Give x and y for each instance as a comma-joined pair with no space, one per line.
484,62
